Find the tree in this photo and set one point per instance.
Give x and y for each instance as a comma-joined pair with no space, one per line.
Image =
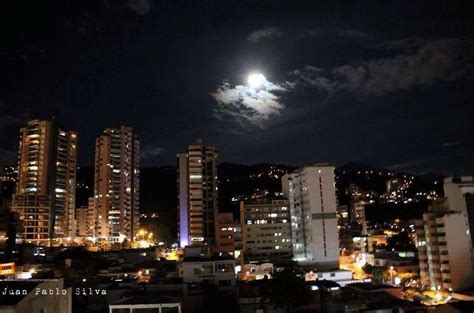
286,290
126,244
380,275
162,269
400,241
368,269
104,245
116,246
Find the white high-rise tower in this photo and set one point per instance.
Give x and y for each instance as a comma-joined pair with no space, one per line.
312,196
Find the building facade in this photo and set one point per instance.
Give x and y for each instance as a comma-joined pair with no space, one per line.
35,217
197,195
228,234
46,173
444,238
266,229
116,185
198,268
357,209
91,218
312,199
81,220
444,251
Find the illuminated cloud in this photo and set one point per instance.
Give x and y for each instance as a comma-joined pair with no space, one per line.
274,32
416,63
247,105
335,31
265,33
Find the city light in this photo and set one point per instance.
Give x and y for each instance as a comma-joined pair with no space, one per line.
247,157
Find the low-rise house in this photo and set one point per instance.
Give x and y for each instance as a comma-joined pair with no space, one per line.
205,269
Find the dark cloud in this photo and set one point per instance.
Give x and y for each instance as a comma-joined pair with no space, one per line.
450,144
10,122
8,156
140,7
10,118
431,62
151,151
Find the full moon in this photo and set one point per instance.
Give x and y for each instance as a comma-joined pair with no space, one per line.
256,80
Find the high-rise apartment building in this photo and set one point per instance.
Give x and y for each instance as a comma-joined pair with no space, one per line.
312,199
116,185
357,209
46,178
457,189
266,229
444,238
197,195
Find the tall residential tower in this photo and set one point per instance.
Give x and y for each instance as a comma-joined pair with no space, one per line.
46,190
445,238
116,185
197,194
312,197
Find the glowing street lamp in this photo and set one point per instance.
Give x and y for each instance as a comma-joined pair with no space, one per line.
391,274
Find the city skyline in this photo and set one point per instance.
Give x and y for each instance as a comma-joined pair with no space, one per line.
236,155
369,92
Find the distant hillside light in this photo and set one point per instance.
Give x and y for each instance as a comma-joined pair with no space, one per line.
256,80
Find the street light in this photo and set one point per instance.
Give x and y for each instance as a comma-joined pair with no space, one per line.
391,275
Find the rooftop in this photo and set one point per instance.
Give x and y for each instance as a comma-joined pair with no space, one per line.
146,299
211,258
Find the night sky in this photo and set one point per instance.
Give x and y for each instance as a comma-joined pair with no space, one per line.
383,83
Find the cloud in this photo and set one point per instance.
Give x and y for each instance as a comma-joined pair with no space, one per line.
265,33
429,63
244,104
274,32
141,7
450,144
8,156
334,31
10,124
151,152
404,43
10,118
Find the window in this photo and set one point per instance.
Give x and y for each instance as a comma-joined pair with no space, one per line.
224,283
204,269
224,267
